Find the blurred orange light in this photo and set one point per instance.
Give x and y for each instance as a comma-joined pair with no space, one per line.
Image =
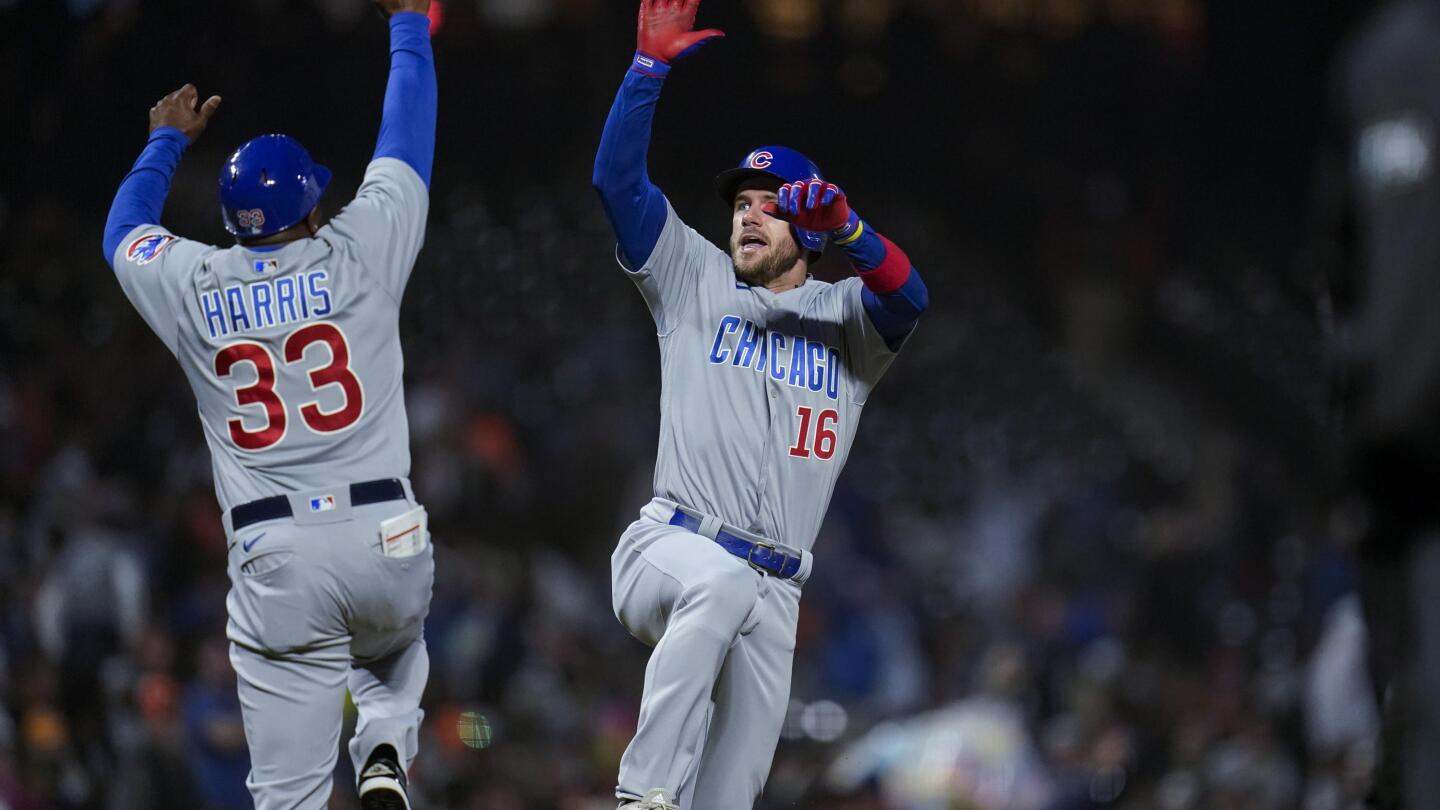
789,19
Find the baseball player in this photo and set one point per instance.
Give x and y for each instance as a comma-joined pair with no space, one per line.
289,340
764,374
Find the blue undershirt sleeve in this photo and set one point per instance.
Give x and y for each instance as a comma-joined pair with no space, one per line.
635,206
895,314
407,126
141,196
895,311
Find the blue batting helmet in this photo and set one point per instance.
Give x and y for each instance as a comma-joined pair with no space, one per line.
269,184
780,164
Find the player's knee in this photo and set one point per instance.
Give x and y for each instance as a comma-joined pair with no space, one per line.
726,595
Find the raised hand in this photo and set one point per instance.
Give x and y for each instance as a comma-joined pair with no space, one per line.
812,205
178,110
664,29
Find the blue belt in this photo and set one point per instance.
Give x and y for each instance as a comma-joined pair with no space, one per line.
278,506
763,557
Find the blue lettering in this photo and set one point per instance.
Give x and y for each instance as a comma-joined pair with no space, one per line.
760,357
260,295
285,300
777,345
797,364
832,375
817,366
718,353
236,297
745,350
214,314
320,292
300,296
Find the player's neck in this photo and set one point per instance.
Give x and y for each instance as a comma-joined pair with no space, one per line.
303,229
790,279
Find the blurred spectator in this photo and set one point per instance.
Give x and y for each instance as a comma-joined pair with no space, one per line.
218,756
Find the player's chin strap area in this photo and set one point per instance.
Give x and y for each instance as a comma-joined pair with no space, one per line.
772,559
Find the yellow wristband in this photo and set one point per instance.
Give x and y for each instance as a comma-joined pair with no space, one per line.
859,229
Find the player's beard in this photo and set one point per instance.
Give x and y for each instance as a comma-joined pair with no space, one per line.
773,265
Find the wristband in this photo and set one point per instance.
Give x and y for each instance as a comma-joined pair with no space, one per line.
649,65
850,231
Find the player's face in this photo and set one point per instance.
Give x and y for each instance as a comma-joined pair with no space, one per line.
761,246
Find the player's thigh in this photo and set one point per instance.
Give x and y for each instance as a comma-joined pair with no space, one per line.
292,707
654,567
751,696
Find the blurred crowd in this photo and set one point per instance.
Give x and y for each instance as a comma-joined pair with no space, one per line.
1081,557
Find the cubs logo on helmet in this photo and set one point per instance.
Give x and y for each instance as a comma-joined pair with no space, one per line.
147,248
761,160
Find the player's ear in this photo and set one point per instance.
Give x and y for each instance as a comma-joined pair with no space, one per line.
314,220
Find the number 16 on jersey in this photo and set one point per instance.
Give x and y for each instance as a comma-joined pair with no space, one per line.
822,444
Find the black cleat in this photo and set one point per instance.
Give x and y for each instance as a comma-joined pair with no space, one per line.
382,782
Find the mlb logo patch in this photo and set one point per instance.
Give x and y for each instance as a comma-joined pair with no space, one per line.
324,503
267,265
148,248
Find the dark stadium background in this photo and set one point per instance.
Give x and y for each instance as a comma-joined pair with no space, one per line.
1082,555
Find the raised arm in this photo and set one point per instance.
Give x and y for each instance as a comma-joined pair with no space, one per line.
636,207
407,126
175,123
894,294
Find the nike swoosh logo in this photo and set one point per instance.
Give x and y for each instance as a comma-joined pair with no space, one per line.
249,544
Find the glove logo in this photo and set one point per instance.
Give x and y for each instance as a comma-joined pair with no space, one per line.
645,61
761,160
147,249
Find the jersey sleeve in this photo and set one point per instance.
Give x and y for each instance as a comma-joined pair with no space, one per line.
670,280
869,352
154,267
385,223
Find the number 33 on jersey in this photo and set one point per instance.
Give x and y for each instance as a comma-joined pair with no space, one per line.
335,371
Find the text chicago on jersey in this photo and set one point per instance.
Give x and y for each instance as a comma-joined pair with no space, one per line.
795,360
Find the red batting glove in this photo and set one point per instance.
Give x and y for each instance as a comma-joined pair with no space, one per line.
664,29
811,205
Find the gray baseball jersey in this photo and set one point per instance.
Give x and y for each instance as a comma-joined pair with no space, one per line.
761,392
294,352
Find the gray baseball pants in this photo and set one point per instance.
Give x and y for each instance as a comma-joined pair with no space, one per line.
314,609
718,681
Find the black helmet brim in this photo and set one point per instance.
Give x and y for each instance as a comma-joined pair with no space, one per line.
728,182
